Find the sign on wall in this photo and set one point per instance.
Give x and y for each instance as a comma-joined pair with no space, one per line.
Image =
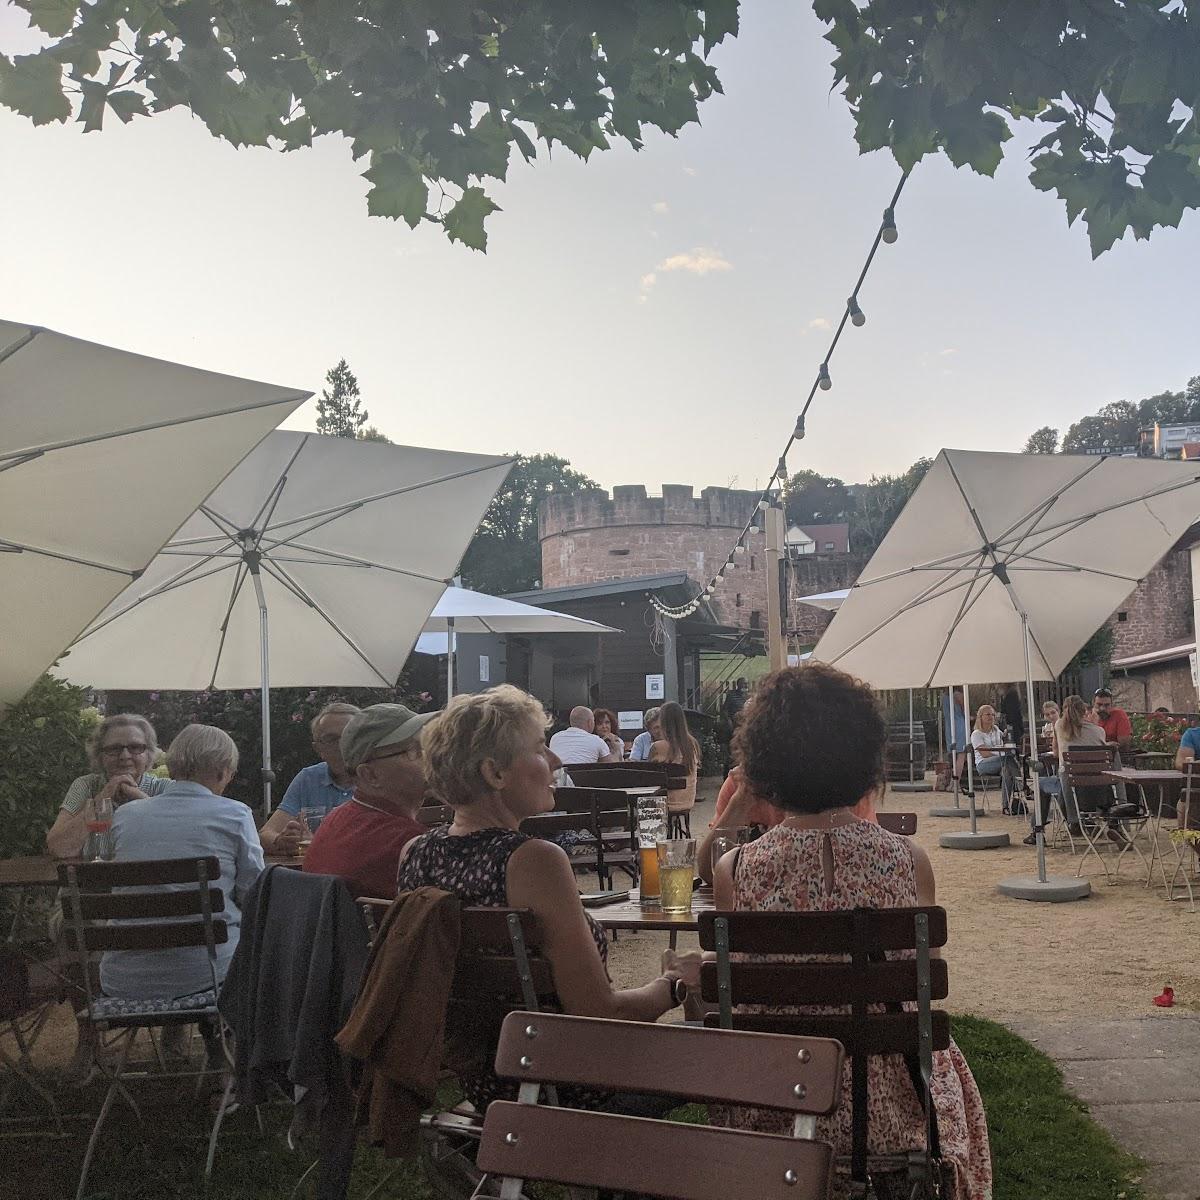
630,720
655,687
485,668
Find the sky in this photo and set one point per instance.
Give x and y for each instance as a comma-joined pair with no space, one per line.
654,317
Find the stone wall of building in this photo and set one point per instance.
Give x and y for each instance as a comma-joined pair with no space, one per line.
1158,613
590,536
810,575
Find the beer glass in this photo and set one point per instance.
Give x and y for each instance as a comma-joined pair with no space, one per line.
676,870
651,828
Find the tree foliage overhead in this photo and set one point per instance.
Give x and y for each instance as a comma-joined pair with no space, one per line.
505,554
1115,82
433,94
815,499
339,409
1042,441
878,502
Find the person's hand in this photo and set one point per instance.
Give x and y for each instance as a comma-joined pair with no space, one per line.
741,803
287,840
128,791
686,966
114,788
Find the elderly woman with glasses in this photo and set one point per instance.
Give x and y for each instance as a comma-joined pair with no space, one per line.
122,750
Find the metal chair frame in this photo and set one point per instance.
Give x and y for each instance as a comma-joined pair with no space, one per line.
1084,766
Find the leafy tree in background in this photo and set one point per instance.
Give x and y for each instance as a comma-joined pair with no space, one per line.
1114,426
339,410
1042,441
505,555
815,499
433,95
371,434
878,504
1114,80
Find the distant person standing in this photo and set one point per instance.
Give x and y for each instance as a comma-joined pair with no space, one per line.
954,722
735,701
643,741
578,743
1010,710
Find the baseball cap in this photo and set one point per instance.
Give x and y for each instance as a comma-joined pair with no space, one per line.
378,726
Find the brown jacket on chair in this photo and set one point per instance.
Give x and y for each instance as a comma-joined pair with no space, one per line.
398,1021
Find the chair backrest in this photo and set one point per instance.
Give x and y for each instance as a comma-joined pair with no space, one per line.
863,936
672,776
435,814
904,823
1086,765
1189,800
527,1140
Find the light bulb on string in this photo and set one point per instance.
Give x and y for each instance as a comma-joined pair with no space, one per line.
781,474
857,316
739,548
889,233
798,432
824,382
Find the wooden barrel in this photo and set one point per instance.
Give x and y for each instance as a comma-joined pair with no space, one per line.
905,744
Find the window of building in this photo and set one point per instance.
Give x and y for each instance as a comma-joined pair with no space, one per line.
755,619
1122,616
738,601
828,547
753,563
620,552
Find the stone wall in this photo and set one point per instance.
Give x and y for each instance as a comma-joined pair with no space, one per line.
810,575
1167,685
1158,613
590,537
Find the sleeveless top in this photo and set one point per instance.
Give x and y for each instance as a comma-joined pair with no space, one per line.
474,866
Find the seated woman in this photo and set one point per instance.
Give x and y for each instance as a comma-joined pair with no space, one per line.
812,744
606,729
986,740
122,750
677,746
1076,728
486,756
190,817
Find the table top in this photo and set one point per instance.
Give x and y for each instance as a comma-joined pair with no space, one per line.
632,914
1133,775
40,870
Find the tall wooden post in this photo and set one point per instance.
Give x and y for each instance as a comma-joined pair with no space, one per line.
776,642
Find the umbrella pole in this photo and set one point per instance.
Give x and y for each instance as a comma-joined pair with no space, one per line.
449,658
970,754
1038,832
268,776
911,763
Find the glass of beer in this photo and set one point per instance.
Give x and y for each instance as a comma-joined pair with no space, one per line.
651,828
676,870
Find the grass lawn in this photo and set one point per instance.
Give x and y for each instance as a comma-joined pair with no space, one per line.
1043,1143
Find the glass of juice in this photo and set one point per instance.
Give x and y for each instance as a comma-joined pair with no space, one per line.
676,870
651,828
98,827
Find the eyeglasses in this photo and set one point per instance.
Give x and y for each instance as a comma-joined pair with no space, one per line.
133,749
411,752
327,739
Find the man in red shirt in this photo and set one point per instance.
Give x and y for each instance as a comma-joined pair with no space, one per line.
1114,721
361,840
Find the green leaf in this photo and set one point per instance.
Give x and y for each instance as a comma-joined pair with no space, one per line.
399,189
720,21
976,141
524,144
91,110
54,17
464,222
128,104
31,84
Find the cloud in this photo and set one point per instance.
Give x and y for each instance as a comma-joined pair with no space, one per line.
818,323
660,207
690,171
702,260
948,352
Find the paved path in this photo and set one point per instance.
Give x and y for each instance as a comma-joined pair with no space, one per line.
1140,1076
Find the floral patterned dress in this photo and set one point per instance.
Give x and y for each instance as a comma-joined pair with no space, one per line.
783,871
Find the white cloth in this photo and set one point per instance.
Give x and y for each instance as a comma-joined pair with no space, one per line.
993,740
641,747
578,746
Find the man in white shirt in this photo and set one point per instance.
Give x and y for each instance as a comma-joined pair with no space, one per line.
643,741
579,744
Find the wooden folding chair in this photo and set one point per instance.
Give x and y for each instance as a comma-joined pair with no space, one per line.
166,920
1185,840
605,817
528,1140
1085,767
863,957
903,823
435,814
29,991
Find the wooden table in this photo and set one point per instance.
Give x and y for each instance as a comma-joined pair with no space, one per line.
632,914
1141,780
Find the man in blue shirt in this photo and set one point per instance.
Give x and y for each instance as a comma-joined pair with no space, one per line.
1189,747
643,741
319,788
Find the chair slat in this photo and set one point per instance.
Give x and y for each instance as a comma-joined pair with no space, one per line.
883,1033
820,933
115,906
169,936
824,983
485,975
101,876
487,928
903,823
658,1158
632,1056
546,825
435,814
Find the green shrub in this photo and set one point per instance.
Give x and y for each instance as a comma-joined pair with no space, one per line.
43,746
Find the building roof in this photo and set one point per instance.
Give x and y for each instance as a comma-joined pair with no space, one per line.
604,587
838,533
1152,657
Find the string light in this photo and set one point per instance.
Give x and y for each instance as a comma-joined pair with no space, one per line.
888,233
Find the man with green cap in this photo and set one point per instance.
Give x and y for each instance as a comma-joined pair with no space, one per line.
361,840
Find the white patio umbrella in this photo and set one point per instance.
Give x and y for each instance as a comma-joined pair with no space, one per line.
316,562
1002,566
103,455
461,610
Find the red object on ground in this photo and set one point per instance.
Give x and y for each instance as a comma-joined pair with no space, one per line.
1166,998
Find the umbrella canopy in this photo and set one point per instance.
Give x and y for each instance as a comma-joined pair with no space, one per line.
103,455
989,540
352,543
829,601
475,612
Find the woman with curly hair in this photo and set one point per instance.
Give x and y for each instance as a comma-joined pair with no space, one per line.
811,744
606,729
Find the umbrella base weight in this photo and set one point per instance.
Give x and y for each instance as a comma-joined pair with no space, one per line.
917,785
1056,889
965,840
949,812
